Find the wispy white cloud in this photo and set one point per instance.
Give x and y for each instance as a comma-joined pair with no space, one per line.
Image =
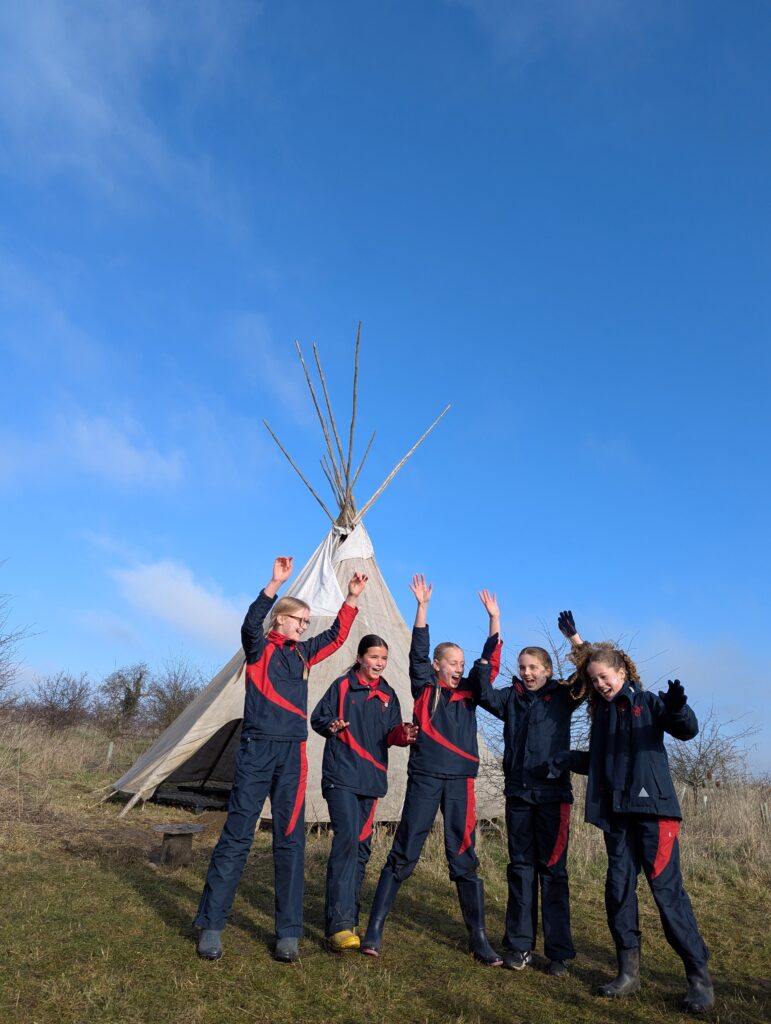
117,452
76,81
168,591
523,29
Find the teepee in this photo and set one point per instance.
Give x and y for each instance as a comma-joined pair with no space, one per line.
200,746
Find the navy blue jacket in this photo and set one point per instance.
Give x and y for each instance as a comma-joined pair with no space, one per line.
357,757
276,704
536,727
446,746
626,762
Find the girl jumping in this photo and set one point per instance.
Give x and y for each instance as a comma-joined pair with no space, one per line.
271,760
536,710
630,796
442,767
361,718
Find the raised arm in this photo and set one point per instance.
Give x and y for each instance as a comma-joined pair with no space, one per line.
326,643
252,632
673,713
422,592
421,671
567,626
484,671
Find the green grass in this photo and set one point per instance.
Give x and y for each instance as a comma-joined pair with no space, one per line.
95,932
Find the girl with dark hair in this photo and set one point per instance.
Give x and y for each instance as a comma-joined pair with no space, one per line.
271,759
536,710
441,772
361,718
631,797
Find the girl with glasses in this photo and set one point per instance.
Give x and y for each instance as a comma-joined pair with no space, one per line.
271,759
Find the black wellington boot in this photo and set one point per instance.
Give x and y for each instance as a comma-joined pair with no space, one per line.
471,896
700,996
627,980
385,894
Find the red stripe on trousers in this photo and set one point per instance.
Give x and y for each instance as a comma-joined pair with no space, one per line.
299,799
669,830
366,832
562,836
471,816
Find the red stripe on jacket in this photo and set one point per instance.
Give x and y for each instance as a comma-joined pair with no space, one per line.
257,673
424,721
347,738
346,615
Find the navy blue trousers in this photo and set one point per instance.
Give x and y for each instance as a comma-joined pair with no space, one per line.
538,853
425,795
638,842
351,816
278,768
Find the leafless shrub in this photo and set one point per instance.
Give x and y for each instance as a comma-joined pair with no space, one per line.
10,639
60,700
170,692
118,705
716,756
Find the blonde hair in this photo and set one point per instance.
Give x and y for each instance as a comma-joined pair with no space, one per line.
439,650
287,606
542,655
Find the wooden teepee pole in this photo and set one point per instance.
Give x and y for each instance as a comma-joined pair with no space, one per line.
348,482
294,467
330,451
396,469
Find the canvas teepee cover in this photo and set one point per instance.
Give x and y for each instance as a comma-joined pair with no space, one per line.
200,746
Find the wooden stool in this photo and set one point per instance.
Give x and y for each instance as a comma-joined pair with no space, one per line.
177,845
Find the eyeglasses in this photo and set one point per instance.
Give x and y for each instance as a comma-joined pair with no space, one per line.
303,622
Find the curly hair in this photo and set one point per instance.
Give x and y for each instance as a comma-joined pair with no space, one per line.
607,654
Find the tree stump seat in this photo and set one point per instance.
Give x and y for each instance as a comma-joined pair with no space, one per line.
177,845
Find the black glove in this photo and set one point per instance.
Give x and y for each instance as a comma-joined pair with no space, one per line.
491,644
567,624
558,764
674,698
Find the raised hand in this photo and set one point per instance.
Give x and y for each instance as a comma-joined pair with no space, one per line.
567,624
674,698
490,601
337,725
356,584
282,568
421,589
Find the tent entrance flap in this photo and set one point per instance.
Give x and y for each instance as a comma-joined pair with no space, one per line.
212,764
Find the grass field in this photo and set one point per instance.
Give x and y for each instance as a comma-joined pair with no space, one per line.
94,931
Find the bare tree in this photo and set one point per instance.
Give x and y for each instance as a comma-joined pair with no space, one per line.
10,639
170,691
60,700
119,702
716,756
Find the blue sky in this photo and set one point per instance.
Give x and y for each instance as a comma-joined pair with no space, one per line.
554,216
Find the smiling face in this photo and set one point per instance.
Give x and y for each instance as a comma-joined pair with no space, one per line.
532,671
372,663
606,680
449,664
292,626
